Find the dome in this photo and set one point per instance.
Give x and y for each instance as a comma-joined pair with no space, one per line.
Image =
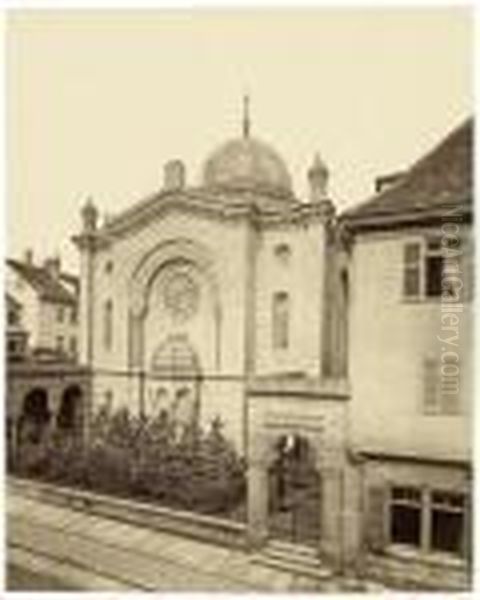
246,163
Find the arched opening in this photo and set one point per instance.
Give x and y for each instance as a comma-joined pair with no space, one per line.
35,416
69,418
177,365
294,492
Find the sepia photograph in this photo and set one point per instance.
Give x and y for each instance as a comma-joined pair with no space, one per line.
238,300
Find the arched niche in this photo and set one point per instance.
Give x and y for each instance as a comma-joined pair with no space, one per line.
191,257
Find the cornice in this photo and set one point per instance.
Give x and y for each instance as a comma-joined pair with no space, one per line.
198,201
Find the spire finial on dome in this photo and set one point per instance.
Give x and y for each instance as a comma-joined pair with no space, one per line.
246,116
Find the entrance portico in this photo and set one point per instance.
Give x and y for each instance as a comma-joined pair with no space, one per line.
315,414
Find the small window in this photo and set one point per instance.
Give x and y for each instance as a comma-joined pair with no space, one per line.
73,316
280,320
108,325
109,267
448,525
12,346
73,346
60,314
426,269
282,252
13,317
405,516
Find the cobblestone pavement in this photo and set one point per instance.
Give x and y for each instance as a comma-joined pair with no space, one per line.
88,552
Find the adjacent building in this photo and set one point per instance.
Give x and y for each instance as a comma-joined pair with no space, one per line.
46,388
411,359
49,298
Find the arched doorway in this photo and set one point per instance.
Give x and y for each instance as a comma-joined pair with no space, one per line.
294,492
35,417
69,417
33,431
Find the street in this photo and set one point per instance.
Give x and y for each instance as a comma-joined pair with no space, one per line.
57,548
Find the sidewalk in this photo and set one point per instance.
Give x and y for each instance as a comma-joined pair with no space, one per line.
94,553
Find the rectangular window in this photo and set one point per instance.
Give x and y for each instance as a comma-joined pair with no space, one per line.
405,516
108,325
433,276
430,520
73,346
280,320
429,269
13,317
447,522
73,316
60,314
60,343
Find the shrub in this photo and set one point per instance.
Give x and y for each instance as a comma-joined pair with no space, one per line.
154,459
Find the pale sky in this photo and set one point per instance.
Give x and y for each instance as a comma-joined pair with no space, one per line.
98,101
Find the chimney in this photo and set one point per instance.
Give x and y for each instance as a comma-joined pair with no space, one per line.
385,181
318,180
53,266
174,175
28,257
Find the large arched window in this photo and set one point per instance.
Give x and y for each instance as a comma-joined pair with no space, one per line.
108,324
280,320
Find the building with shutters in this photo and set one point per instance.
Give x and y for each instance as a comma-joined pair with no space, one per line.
312,336
411,361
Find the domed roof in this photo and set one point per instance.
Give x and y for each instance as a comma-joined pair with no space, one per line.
246,163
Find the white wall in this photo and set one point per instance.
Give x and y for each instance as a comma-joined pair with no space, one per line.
302,278
389,338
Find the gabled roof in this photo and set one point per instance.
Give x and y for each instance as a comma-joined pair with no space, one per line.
440,180
48,288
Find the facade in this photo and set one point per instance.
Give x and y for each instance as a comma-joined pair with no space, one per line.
46,390
49,298
410,355
235,299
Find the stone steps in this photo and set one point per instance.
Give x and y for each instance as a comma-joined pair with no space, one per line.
294,558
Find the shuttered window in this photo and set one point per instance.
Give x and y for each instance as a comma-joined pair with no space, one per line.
411,273
441,385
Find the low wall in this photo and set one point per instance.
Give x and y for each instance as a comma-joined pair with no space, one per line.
202,527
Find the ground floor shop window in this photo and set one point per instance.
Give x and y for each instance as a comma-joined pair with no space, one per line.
430,520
